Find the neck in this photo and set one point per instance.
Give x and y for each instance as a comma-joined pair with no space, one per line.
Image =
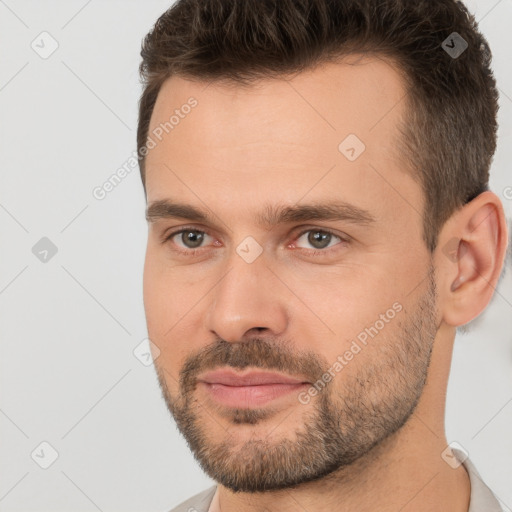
400,474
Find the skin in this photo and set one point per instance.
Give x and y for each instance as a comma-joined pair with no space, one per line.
277,143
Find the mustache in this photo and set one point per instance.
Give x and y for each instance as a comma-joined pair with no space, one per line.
260,353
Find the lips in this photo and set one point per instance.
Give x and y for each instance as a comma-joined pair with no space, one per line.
250,389
254,378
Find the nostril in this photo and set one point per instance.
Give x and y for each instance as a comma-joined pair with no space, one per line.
257,329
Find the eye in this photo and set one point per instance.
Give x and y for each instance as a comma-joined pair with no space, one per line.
188,238
319,239
188,241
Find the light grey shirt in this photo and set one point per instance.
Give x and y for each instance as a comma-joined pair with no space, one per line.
481,500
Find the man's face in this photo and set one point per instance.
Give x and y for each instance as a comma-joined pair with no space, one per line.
344,304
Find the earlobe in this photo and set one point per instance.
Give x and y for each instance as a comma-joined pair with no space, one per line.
473,257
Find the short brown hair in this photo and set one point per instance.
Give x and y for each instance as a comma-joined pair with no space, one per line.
448,136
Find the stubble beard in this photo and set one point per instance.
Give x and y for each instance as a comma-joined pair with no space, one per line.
343,424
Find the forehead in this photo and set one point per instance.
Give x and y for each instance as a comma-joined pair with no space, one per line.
283,139
360,95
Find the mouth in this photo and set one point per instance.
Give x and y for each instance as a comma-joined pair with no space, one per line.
250,389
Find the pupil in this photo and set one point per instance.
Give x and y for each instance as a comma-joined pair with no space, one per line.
192,239
319,239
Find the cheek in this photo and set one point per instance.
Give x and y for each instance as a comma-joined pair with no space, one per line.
168,305
362,309
153,297
164,303
160,287
349,298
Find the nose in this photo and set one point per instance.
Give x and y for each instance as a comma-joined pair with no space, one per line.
247,298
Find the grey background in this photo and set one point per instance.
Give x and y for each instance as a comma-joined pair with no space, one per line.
69,326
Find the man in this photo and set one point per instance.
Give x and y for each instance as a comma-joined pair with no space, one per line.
320,223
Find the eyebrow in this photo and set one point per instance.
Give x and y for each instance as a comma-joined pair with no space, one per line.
270,216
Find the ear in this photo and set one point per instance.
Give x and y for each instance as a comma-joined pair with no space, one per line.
470,254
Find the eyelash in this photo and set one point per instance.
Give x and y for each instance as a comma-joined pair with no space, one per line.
313,252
